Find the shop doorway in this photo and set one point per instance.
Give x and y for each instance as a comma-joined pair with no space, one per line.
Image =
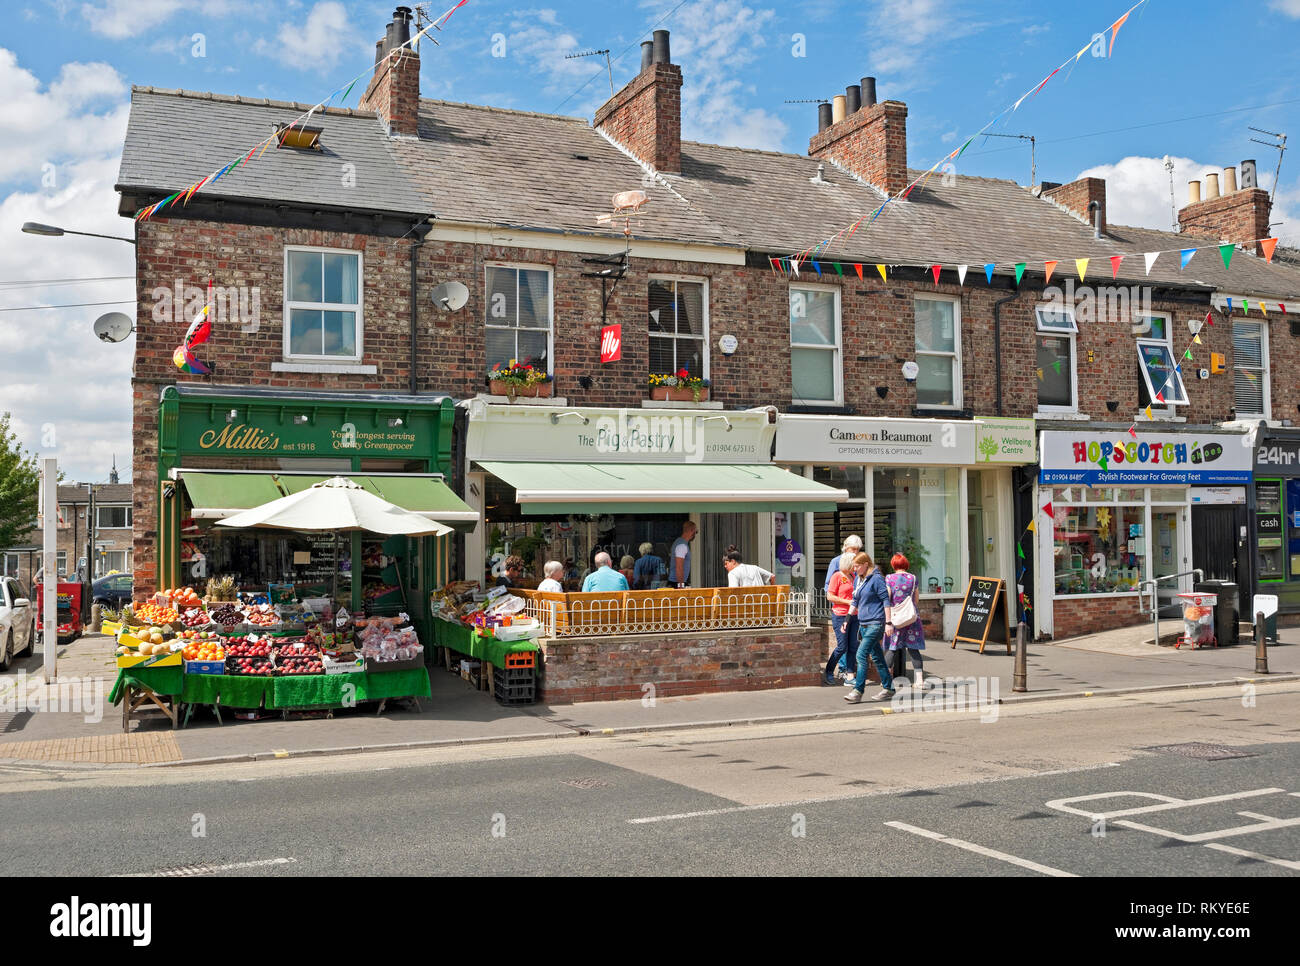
718,531
1219,548
1166,555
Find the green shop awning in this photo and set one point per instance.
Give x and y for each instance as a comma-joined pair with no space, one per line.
543,488
216,496
419,494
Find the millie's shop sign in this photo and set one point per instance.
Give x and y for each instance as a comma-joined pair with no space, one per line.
1153,459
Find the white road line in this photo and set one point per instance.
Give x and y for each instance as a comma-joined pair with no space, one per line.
1222,833
982,850
651,819
1167,802
192,870
1246,853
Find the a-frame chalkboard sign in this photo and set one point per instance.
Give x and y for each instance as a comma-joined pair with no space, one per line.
984,617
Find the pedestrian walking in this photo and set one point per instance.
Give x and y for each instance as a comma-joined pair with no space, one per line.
850,548
872,608
904,589
679,568
844,659
741,574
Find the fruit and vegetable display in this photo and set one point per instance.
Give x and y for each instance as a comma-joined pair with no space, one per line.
375,591
296,648
182,599
228,615
243,647
384,639
156,614
261,618
254,666
298,665
195,617
207,650
222,589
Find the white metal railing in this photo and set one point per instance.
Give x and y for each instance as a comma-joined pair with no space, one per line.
689,610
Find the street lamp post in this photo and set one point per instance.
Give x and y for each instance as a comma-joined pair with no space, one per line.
50,231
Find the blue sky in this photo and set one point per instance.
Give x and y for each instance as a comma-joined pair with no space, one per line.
1187,80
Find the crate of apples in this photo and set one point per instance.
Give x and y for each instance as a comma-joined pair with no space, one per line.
196,617
183,598
286,650
299,665
262,618
254,666
242,647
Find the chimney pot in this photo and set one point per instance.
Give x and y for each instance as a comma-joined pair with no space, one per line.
662,54
1229,180
853,98
838,111
402,25
823,116
1211,185
1193,192
647,53
868,91
1249,177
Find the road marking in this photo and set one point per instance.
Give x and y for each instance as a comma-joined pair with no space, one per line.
1269,824
184,871
1247,854
1167,802
982,850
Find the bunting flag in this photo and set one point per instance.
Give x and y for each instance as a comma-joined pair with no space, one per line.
839,269
1132,431
1245,306
1148,413
1187,354
1229,305
1032,528
818,266
858,266
1020,551
794,264
1081,266
1282,306
1049,267
1020,271
935,270
1226,252
961,274
1104,463
881,270
1197,338
1266,246
1209,317
1047,508
1187,254
988,272
1115,261
1263,307
1151,260
1114,29
1160,396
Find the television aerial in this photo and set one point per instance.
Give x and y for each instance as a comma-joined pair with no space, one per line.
450,296
113,327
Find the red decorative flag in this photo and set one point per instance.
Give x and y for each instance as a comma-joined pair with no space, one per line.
1049,267
1282,306
934,270
1132,431
1267,246
1160,396
858,266
1114,265
1114,32
1209,317
611,343
1048,508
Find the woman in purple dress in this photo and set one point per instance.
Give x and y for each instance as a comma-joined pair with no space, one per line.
902,584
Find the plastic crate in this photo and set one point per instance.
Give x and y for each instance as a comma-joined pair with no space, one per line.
521,659
514,675
205,667
525,694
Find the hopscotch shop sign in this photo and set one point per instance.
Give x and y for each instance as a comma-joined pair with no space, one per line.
1153,459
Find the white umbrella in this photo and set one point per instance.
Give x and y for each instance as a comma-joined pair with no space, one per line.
340,505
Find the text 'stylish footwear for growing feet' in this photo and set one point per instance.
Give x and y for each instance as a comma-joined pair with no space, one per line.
853,697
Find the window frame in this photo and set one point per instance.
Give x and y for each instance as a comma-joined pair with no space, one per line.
550,309
61,563
1166,407
958,395
837,350
99,508
4,563
1072,335
1266,395
290,305
694,280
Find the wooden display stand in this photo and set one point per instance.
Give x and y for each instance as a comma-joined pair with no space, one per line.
984,603
135,699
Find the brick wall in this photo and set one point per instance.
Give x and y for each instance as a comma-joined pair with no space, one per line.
394,92
1093,615
646,117
1240,217
1078,195
871,142
613,668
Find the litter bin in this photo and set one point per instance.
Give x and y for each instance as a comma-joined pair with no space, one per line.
1198,619
1267,605
1225,612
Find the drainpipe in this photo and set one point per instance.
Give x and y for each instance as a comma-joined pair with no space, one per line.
420,229
997,344
1094,209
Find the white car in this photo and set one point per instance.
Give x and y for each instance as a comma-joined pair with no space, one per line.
17,622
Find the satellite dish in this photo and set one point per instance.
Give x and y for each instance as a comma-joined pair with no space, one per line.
113,327
450,296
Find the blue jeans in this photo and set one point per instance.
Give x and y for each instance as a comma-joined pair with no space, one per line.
845,653
869,648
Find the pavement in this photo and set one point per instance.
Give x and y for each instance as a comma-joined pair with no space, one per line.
76,725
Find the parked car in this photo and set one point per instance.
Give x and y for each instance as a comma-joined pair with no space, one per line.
112,591
17,622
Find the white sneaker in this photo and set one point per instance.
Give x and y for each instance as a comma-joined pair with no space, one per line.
883,695
853,697
850,680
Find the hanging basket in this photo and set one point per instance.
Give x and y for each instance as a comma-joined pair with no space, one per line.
676,394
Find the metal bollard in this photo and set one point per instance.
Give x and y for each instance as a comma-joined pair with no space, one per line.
1261,645
1019,677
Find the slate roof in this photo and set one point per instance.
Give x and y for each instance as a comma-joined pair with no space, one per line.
174,138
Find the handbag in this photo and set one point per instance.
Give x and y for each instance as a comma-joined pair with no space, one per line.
904,614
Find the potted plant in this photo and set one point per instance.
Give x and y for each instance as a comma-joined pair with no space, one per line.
519,379
679,386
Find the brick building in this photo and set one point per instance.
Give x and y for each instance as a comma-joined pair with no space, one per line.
405,194
104,530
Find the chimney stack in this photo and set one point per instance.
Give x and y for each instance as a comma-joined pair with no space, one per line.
1239,215
871,142
646,115
1085,198
394,89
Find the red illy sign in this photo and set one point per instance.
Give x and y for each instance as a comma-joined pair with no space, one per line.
611,343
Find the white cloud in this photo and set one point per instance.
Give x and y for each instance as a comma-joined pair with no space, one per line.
318,41
1290,8
1137,193
905,34
126,18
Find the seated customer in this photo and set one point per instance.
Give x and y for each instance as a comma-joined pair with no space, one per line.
553,571
604,577
514,572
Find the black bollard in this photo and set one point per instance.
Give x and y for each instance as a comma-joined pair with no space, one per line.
1019,677
1261,645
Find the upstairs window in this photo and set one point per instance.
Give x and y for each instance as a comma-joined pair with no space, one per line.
938,352
518,316
1055,360
1160,372
112,517
815,372
322,305
1250,369
679,327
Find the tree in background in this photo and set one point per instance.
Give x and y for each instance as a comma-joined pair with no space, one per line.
19,479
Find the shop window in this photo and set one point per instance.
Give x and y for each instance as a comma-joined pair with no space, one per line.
816,375
938,352
322,304
1250,369
918,513
678,325
113,517
1055,368
518,316
1098,549
1161,374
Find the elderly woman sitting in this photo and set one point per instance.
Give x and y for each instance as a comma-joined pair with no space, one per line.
554,571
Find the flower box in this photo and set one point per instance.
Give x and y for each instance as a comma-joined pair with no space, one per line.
675,394
538,390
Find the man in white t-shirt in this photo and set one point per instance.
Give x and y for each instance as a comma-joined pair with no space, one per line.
741,574
679,567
